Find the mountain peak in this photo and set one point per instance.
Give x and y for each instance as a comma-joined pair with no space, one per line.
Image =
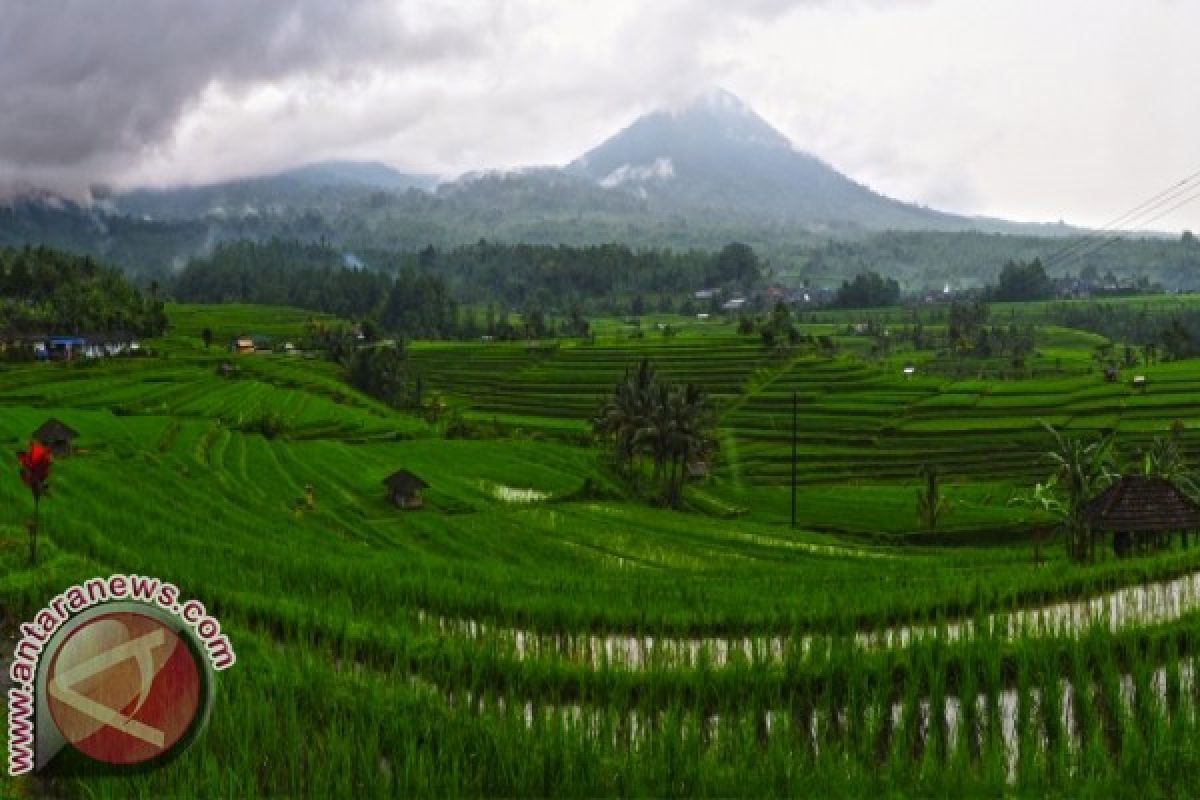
717,100
714,153
720,114
710,127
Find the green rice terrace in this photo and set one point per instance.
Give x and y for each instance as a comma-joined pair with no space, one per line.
543,626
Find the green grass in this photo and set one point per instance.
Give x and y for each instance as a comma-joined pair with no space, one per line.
231,320
451,651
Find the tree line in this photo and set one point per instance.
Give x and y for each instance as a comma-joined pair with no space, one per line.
48,291
1167,333
408,303
598,278
973,259
595,277
1016,281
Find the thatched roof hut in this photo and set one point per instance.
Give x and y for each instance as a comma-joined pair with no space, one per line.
404,489
56,435
1145,506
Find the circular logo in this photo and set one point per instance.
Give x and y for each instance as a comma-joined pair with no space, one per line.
124,688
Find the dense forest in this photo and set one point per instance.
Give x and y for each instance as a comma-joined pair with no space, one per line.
922,259
1021,282
416,294
1155,332
595,277
406,302
312,276
44,290
381,223
867,290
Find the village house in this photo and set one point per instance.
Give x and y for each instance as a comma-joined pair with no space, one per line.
250,344
56,436
69,347
1070,288
1141,512
404,489
34,343
65,348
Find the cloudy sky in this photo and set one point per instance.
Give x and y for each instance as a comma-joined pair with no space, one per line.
1027,109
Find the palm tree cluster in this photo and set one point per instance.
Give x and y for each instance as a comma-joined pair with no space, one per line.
671,425
1082,468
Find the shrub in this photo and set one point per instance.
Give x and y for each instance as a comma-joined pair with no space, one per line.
268,424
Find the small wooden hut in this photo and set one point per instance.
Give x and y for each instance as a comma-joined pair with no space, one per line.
56,436
1142,511
404,489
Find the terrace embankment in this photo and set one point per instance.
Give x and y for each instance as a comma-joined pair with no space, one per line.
1140,605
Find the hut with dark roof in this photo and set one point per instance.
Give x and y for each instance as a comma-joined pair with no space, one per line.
1142,510
404,489
56,436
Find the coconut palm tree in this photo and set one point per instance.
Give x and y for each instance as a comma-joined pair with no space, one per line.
654,435
932,504
690,436
1080,470
676,433
670,424
626,412
1165,458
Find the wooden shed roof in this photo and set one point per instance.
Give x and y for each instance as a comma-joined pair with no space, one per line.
404,481
1142,504
53,430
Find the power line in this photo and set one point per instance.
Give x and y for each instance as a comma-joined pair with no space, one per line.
1095,246
1127,219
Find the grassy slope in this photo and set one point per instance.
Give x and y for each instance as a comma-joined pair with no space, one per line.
170,486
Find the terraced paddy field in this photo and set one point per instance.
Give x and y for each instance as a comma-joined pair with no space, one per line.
536,630
859,421
230,320
518,382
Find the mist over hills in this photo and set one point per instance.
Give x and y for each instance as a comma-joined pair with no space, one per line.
712,160
700,175
322,185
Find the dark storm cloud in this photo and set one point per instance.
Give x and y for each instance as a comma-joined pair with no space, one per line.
88,85
1073,109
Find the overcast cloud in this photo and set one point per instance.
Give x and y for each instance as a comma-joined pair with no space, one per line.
1025,109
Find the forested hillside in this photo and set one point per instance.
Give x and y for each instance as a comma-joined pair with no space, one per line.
42,289
405,302
928,258
522,277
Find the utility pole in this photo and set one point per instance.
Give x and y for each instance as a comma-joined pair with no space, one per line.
795,401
